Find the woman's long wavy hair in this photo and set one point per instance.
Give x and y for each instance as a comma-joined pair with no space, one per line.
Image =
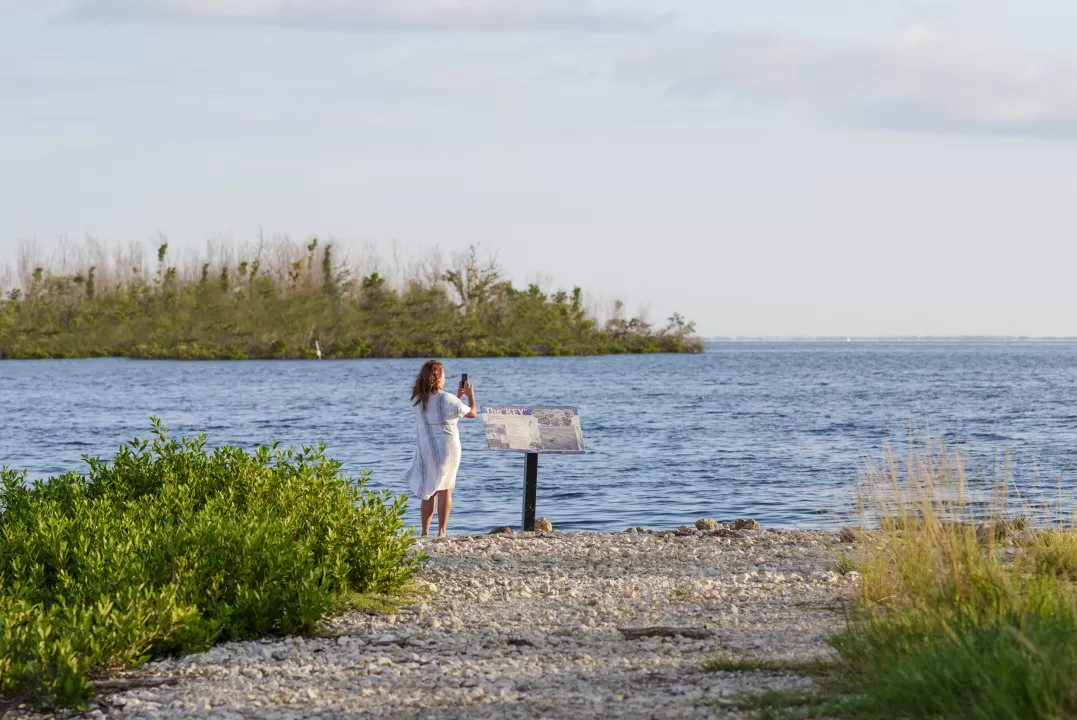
426,382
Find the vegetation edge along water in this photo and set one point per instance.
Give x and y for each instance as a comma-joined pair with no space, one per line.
294,301
962,611
966,609
171,548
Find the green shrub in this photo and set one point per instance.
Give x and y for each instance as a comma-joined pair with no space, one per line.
1015,657
171,548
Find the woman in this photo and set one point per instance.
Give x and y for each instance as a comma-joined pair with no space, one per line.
437,456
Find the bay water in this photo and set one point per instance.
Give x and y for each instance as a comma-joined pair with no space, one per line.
772,431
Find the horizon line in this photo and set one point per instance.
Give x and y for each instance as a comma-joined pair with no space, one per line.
889,338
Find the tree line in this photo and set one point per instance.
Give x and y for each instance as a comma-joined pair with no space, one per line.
305,303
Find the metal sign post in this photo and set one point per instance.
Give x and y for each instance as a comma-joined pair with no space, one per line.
533,430
530,492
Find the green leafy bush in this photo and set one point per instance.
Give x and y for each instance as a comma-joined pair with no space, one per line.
171,548
1009,654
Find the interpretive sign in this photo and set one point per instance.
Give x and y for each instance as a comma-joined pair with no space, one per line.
514,428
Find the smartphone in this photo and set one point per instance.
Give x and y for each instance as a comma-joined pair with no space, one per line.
463,380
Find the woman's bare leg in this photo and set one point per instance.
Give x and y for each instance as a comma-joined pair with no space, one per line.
426,513
444,507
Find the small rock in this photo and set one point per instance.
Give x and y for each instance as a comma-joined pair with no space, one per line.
989,532
706,524
501,531
520,641
385,640
850,535
543,525
746,525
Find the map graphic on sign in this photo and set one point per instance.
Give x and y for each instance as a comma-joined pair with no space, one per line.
517,428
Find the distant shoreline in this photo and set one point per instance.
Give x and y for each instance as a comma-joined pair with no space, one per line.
299,301
337,358
895,339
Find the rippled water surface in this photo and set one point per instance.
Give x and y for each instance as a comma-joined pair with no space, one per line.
771,431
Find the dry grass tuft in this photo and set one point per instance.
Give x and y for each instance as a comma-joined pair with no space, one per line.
967,609
954,618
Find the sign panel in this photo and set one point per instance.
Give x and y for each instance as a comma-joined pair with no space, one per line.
517,428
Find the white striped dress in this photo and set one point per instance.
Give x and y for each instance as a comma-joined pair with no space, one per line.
437,455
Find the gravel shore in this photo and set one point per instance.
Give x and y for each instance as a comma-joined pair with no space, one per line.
529,626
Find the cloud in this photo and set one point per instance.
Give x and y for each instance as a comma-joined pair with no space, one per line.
379,15
19,9
920,79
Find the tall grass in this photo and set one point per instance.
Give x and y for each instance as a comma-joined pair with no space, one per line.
964,611
171,548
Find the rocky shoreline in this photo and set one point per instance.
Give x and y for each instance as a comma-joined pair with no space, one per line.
536,625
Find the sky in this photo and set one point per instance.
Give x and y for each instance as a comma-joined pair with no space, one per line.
772,168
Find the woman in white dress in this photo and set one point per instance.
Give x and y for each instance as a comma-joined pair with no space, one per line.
432,476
